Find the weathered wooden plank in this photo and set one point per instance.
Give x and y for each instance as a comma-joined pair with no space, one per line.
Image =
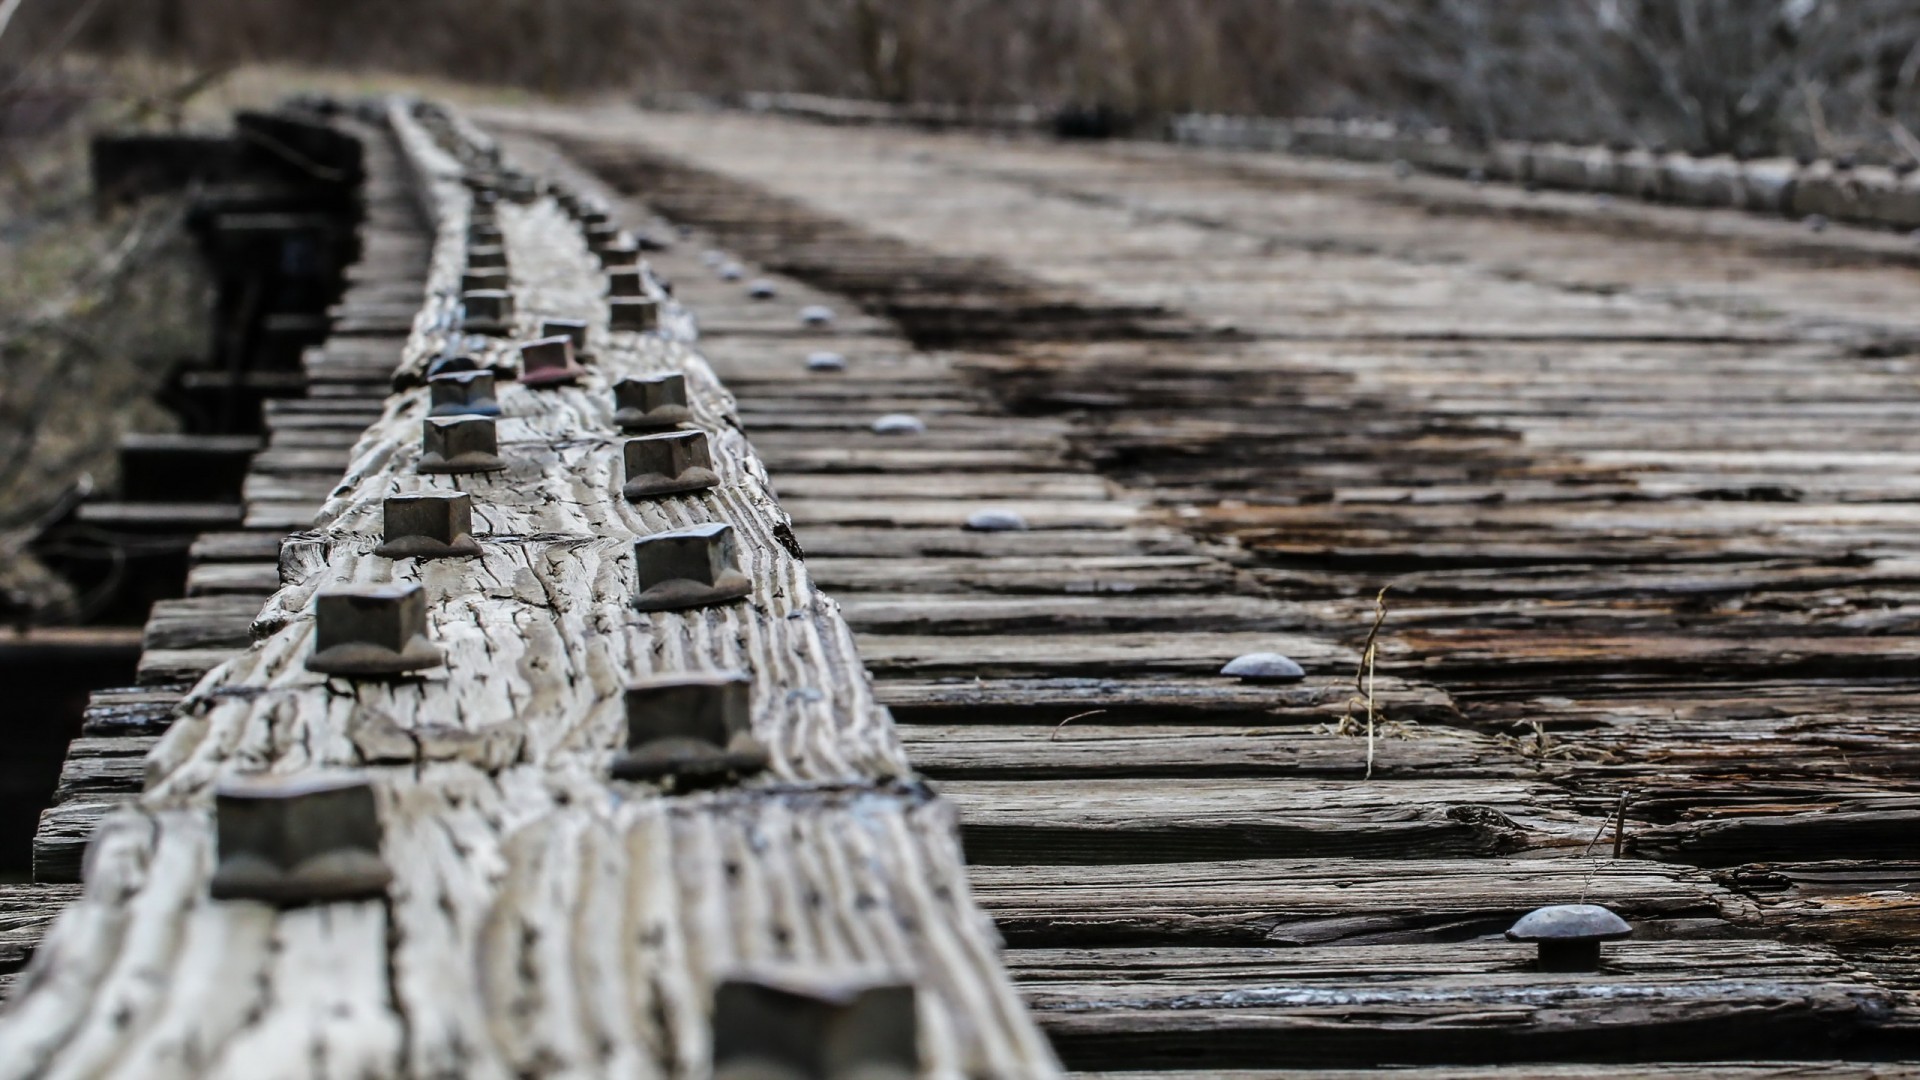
1120,1008
1135,821
1090,749
1356,902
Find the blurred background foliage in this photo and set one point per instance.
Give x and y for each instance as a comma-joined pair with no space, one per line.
1743,76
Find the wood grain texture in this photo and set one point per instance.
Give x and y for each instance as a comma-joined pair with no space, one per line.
542,920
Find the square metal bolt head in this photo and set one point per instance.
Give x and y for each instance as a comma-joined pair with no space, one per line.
823,1031
459,444
488,305
689,568
431,525
548,361
693,728
667,464
478,279
486,256
575,329
461,393
371,630
626,281
601,235
300,840
651,403
633,314
621,252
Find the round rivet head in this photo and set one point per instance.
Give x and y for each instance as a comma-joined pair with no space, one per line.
826,361
996,521
762,289
731,272
1264,667
899,424
1569,935
816,315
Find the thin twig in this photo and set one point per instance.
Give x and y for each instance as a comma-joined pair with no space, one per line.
1071,719
1363,676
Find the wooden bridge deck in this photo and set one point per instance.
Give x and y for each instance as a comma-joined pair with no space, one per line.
1641,481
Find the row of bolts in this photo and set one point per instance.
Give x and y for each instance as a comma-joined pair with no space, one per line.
316,839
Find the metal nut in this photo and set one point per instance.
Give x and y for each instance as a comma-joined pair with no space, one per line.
372,630
459,444
667,464
298,840
548,361
626,281
633,313
772,1026
575,329
461,393
601,234
651,403
430,525
492,305
486,278
691,728
688,568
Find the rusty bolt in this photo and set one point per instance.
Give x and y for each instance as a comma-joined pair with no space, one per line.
667,464
459,444
816,315
899,424
770,1026
575,329
461,393
486,257
431,525
1264,667
691,728
651,402
688,568
626,281
548,361
1569,935
826,361
298,840
371,631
